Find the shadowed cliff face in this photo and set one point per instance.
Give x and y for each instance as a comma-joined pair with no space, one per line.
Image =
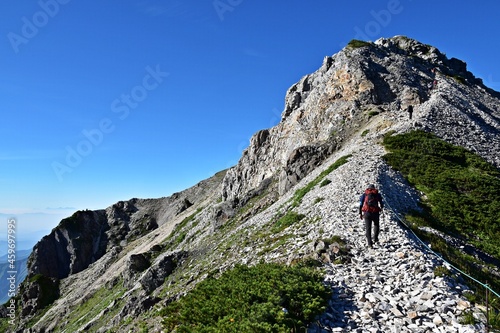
158,249
77,242
83,238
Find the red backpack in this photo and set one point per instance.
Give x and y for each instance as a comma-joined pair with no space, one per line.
371,201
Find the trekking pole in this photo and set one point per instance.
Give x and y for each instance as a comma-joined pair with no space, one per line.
384,216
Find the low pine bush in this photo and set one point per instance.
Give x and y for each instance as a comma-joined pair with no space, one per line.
263,298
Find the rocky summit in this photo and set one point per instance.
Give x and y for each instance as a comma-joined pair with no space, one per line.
112,270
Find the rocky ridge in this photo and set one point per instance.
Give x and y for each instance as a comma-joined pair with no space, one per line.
324,108
149,252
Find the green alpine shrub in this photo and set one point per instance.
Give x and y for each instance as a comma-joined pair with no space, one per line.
263,298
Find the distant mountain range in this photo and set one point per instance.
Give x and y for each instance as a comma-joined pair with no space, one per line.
20,244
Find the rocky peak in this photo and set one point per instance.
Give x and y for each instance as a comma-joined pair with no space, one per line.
327,106
410,47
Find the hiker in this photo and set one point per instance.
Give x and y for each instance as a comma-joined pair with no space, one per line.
370,207
409,109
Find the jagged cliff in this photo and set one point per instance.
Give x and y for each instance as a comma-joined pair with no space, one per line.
142,253
325,108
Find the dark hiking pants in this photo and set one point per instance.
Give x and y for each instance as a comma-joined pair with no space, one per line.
369,218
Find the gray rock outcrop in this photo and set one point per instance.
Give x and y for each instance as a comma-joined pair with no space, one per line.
77,242
324,108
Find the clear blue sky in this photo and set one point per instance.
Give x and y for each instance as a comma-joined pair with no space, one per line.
103,101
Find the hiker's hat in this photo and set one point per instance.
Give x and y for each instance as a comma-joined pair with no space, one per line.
371,186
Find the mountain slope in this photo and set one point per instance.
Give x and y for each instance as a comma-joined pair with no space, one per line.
114,269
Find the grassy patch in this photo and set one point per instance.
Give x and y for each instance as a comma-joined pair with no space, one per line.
460,197
461,188
441,271
263,298
102,299
494,314
318,200
47,288
459,79
468,318
287,220
342,256
4,325
300,193
325,182
335,239
356,43
274,243
178,234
